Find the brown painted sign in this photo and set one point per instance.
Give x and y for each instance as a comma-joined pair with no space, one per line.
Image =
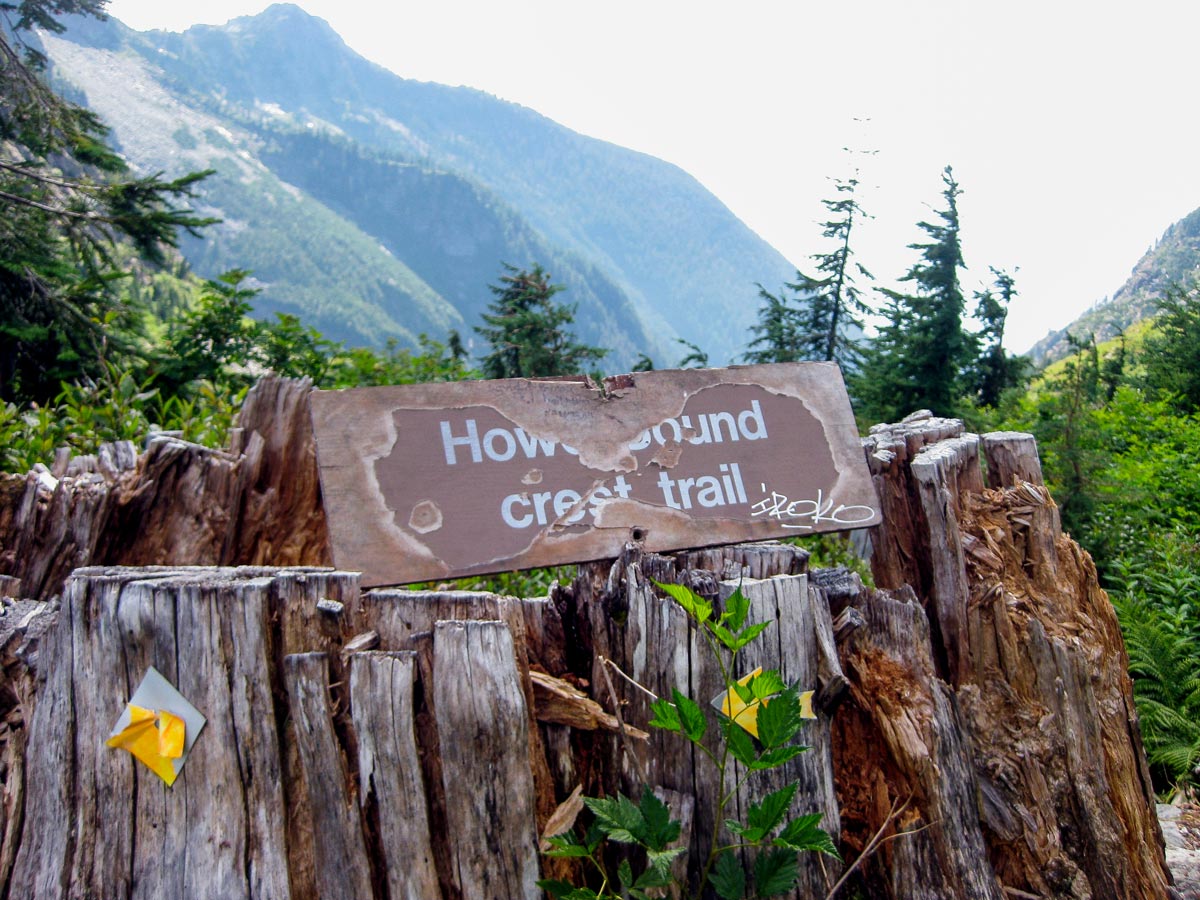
432,481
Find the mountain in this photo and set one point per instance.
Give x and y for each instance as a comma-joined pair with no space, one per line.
376,206
1173,259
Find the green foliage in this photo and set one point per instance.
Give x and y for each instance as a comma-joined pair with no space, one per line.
1164,660
817,323
918,358
527,329
431,361
695,357
767,833
1119,456
1171,355
68,201
995,370
193,378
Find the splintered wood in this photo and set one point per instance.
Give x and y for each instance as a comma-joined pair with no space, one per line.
974,722
175,503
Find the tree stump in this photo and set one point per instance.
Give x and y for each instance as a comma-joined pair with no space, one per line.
175,503
975,710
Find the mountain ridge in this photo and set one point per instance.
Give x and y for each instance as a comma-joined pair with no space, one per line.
1173,259
647,253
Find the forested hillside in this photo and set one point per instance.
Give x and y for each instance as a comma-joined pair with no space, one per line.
376,206
1174,258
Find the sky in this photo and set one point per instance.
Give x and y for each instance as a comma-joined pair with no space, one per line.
1071,127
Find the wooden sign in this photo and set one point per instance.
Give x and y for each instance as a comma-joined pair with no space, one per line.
434,481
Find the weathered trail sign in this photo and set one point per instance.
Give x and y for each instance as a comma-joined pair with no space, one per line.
440,480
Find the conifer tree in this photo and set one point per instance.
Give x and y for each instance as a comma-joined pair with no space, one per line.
527,330
996,370
66,199
778,330
927,349
1171,355
822,319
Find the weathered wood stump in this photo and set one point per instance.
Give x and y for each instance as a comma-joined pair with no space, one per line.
174,503
1008,720
974,711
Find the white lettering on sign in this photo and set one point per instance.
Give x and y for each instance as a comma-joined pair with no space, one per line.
544,507
777,506
749,425
502,444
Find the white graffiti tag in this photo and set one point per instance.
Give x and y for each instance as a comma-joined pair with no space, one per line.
808,514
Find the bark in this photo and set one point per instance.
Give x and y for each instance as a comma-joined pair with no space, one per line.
1024,678
976,707
175,503
650,639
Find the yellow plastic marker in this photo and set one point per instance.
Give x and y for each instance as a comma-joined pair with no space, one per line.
156,740
746,714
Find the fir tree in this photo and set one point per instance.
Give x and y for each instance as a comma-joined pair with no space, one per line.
819,321
1171,355
995,370
778,330
924,362
527,330
65,201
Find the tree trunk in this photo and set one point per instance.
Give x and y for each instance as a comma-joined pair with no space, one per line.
975,711
175,503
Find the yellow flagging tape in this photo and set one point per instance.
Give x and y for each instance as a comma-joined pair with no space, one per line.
158,726
156,740
746,714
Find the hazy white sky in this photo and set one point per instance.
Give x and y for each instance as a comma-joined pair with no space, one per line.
1071,126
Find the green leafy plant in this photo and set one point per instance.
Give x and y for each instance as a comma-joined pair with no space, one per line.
767,835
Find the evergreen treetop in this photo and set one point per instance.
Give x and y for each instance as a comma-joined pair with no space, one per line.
527,330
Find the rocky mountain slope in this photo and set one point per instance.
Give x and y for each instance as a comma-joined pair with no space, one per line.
379,207
1174,259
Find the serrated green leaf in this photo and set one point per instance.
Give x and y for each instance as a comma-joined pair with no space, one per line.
739,742
737,606
748,833
771,811
666,716
770,759
766,684
804,833
565,846
745,636
775,872
660,829
691,715
594,837
562,890
625,875
660,861
555,887
693,604
567,852
779,720
618,818
743,691
725,636
728,878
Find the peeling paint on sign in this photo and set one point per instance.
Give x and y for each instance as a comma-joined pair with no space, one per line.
435,481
